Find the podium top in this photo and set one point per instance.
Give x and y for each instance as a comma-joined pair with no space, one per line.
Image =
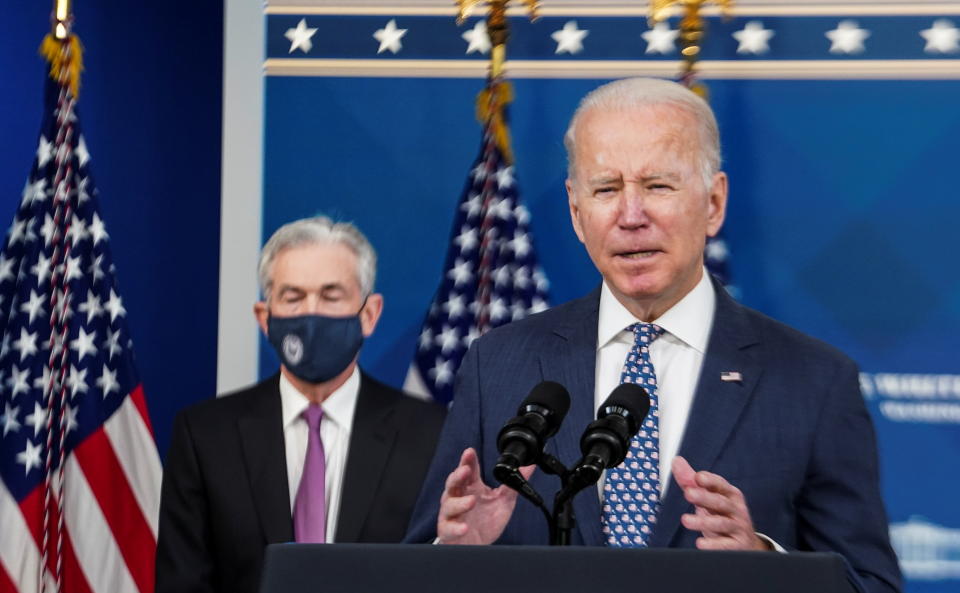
422,568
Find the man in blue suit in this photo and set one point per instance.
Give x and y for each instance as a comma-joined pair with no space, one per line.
773,420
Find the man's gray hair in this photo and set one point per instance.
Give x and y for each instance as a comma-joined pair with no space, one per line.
632,93
319,229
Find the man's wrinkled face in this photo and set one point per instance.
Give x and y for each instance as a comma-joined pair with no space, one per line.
639,205
318,279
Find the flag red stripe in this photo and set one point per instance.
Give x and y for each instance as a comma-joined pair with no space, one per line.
74,581
6,583
119,506
140,401
32,508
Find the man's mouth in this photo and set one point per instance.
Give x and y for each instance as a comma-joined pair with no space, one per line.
639,254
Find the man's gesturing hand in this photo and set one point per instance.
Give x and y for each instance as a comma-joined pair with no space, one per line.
470,511
721,513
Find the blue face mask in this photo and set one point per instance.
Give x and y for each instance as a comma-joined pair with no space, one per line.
315,348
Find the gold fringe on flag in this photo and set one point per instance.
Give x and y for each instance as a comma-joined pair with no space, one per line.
491,105
66,60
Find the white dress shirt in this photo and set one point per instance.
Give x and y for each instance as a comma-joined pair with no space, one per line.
335,429
677,358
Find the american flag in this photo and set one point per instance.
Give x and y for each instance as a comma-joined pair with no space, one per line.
79,470
491,276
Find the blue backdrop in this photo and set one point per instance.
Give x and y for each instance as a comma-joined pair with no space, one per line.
150,105
841,217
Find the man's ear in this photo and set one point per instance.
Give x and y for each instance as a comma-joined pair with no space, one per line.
370,314
717,208
261,313
574,209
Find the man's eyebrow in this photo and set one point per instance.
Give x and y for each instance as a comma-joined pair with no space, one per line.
323,288
668,175
604,179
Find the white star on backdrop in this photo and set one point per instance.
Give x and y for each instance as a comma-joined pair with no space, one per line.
77,380
847,38
18,381
455,306
83,155
467,239
389,37
26,344
753,38
38,420
461,273
478,38
716,250
443,372
108,382
569,39
97,230
942,38
44,152
84,344
29,457
113,343
661,39
115,306
6,268
33,307
9,418
300,37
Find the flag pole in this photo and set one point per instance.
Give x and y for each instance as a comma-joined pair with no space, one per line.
493,99
692,32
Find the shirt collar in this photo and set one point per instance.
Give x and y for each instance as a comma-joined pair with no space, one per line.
338,408
689,320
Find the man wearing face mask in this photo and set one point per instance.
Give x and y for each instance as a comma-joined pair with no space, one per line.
319,452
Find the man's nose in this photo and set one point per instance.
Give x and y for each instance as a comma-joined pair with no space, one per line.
633,207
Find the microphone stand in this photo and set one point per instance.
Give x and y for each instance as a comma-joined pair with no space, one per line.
563,520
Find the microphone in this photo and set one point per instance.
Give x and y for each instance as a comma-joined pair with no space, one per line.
606,440
522,438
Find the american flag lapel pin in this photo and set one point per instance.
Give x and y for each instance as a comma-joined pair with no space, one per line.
731,376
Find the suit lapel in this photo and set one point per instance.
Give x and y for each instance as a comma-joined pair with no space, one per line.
717,404
261,435
571,361
371,440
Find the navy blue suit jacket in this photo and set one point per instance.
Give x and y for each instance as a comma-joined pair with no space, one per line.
794,435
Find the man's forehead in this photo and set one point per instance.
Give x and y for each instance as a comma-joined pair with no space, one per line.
315,265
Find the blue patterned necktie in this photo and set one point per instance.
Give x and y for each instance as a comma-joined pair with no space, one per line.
631,494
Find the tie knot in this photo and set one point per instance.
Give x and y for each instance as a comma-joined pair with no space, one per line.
646,333
312,415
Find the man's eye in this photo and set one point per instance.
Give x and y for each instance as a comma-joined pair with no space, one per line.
660,187
604,190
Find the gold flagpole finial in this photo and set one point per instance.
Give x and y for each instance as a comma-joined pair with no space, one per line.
692,31
494,98
498,28
62,18
62,49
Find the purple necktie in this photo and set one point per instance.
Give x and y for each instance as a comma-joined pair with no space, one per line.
310,506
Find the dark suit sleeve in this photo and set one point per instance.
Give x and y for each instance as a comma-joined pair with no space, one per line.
461,430
839,508
184,562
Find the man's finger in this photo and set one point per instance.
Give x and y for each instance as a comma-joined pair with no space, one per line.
683,473
461,478
455,506
527,471
715,483
712,524
720,543
713,503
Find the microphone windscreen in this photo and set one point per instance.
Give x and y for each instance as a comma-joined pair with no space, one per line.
627,396
550,395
